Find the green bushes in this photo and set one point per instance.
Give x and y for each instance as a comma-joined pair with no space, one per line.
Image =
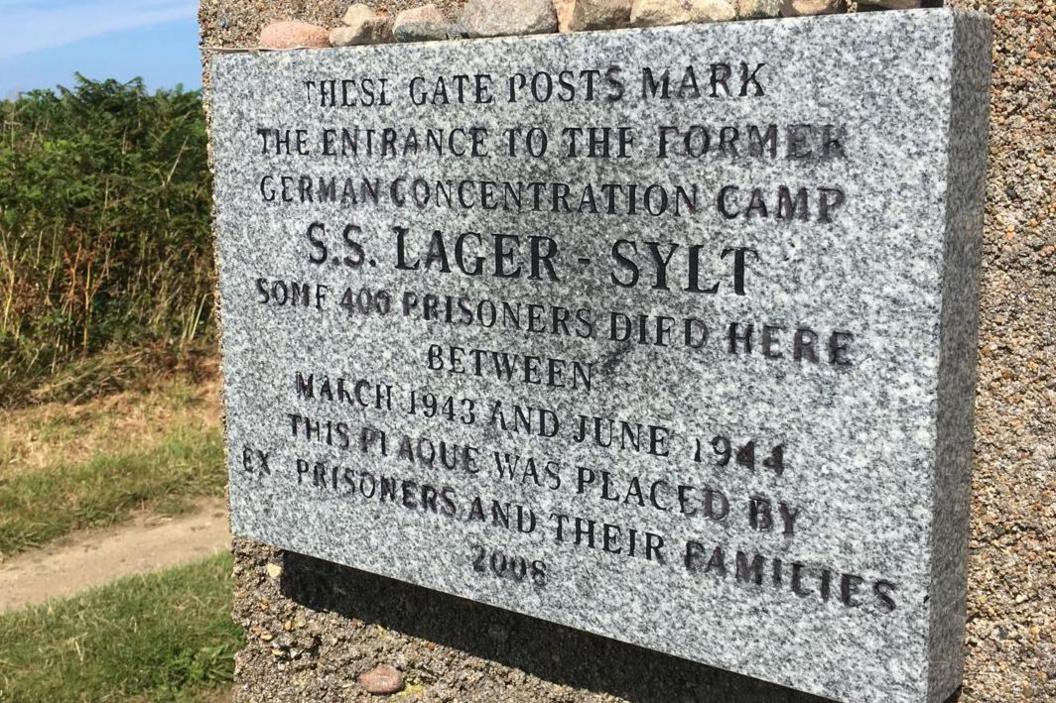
104,228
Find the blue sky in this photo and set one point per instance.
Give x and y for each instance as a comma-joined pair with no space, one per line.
45,41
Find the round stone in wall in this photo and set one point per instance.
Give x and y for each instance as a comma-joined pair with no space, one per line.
657,13
600,14
711,10
500,18
425,23
292,34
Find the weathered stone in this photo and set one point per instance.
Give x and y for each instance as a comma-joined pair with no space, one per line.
357,14
425,23
382,680
758,9
740,346
805,8
455,30
376,29
711,10
600,14
658,13
497,18
564,8
293,35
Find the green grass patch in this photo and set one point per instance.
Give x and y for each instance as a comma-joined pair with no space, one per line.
41,505
163,637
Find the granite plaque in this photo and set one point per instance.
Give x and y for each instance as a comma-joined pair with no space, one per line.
663,334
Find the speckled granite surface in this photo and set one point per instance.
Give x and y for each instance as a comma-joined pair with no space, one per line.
861,573
1011,638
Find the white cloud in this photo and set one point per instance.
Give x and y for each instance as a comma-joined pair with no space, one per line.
30,25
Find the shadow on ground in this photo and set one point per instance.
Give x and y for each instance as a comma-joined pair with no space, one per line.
550,652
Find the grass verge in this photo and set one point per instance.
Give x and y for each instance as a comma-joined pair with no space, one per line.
36,436
43,504
165,637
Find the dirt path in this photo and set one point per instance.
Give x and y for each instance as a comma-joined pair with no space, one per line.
96,557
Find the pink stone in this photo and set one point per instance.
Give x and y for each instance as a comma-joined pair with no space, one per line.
293,35
382,680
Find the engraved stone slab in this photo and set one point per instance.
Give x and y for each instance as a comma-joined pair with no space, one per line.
664,334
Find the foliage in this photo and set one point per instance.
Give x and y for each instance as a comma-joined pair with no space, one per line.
104,226
162,637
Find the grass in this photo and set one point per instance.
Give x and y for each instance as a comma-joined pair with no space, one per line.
41,435
165,637
68,467
118,367
41,505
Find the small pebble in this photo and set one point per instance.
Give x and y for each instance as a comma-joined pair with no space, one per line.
382,680
425,23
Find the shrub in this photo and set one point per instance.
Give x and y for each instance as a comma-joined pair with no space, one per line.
104,226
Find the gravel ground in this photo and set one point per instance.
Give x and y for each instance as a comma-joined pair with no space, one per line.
314,627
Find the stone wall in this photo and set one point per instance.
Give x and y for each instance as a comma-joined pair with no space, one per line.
313,627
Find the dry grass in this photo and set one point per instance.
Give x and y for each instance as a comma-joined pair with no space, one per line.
36,437
68,467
